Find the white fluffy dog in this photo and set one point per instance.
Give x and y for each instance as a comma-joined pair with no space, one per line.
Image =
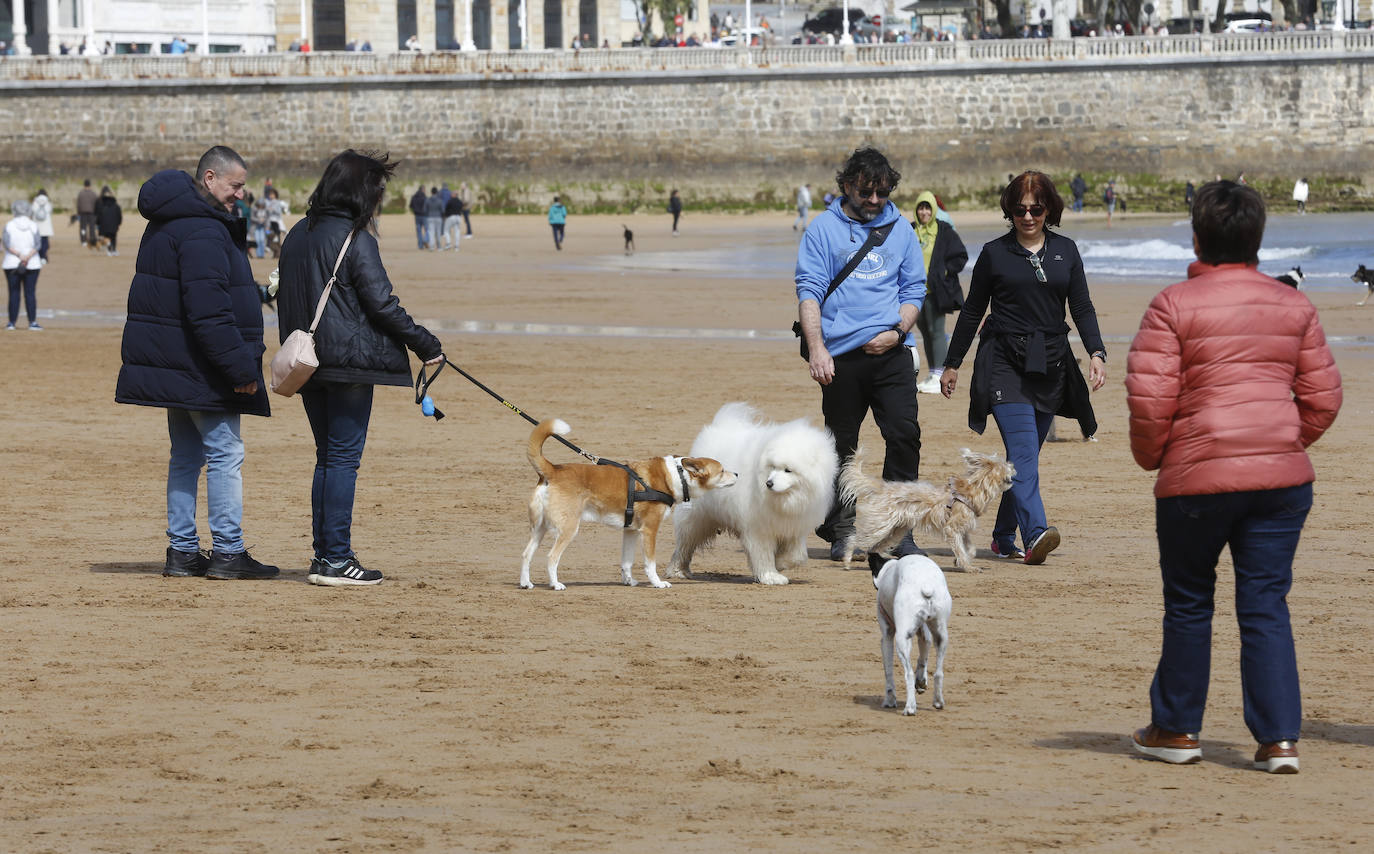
785,486
913,599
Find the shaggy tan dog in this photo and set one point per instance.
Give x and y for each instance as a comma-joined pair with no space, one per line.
886,509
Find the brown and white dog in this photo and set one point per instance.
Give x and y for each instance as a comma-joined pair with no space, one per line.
886,510
568,495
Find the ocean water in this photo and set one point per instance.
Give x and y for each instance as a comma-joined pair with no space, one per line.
1157,250
1328,248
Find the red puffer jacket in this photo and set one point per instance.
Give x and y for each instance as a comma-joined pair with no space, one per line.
1228,381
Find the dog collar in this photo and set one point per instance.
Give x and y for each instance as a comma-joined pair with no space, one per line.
955,496
682,479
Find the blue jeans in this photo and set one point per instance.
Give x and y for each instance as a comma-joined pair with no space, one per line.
557,234
209,439
338,415
1023,430
260,238
434,225
421,231
1262,528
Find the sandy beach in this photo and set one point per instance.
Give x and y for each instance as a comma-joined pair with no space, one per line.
448,710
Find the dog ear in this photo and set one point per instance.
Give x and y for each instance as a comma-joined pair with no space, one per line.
693,466
970,457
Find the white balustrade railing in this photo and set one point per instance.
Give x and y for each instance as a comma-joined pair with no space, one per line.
341,64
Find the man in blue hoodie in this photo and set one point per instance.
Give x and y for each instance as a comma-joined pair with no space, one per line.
193,346
855,335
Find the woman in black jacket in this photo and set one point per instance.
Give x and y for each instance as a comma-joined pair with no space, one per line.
360,341
1025,373
108,217
945,257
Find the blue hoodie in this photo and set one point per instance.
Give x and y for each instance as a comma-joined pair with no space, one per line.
868,302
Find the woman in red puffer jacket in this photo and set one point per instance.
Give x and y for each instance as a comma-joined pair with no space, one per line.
1228,381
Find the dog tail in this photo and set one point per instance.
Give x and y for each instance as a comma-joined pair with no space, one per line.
854,484
534,451
928,591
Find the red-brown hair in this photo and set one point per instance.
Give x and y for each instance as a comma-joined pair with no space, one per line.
1041,188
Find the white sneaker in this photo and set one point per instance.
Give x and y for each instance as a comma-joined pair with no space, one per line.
9,327
929,385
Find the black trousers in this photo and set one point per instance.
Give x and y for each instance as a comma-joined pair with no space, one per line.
886,384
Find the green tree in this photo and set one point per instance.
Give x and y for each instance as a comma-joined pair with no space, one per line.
665,11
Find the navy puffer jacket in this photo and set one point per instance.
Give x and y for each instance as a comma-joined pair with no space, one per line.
194,326
364,333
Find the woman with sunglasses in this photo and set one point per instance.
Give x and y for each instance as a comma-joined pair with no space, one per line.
1025,373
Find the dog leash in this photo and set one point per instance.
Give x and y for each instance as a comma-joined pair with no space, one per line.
644,493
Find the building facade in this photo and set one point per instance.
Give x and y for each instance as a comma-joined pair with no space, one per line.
501,25
138,26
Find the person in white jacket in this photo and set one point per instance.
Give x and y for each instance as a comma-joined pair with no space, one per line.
1300,194
41,214
803,206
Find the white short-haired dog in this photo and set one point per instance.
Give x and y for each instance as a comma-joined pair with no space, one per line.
913,599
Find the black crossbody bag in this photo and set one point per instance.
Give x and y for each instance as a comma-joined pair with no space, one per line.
876,236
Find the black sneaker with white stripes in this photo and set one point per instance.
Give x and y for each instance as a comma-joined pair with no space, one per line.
347,573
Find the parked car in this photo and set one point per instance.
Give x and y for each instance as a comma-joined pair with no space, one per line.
1247,25
832,20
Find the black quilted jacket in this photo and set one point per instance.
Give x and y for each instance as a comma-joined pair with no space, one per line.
364,333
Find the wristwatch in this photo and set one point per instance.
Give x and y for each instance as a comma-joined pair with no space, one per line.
897,327
1100,354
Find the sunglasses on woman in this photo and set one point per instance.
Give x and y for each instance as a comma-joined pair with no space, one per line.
1036,211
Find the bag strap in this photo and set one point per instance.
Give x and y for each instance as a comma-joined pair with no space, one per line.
333,277
876,236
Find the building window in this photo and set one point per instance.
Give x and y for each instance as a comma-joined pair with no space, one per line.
406,25
553,23
331,26
444,25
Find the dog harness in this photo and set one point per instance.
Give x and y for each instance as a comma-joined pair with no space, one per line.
955,496
645,493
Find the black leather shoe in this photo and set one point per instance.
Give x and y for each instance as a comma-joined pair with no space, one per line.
238,566
908,547
185,564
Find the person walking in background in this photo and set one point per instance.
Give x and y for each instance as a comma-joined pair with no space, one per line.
1228,382
1189,193
558,218
257,221
675,208
1025,372
434,218
108,217
417,207
277,211
361,342
453,222
465,193
85,213
1109,199
944,256
41,213
193,345
1079,188
21,264
804,206
855,333
1300,195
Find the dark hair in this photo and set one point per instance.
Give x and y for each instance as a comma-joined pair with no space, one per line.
867,166
217,159
1228,221
352,183
1040,187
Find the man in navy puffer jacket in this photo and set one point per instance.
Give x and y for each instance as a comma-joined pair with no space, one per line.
193,346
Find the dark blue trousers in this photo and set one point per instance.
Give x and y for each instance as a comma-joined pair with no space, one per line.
339,414
1262,529
1023,430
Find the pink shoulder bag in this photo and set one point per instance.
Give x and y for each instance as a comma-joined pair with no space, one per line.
296,360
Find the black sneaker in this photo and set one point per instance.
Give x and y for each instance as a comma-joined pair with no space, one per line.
908,547
185,564
349,573
238,566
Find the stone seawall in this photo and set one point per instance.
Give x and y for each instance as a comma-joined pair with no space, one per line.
726,134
